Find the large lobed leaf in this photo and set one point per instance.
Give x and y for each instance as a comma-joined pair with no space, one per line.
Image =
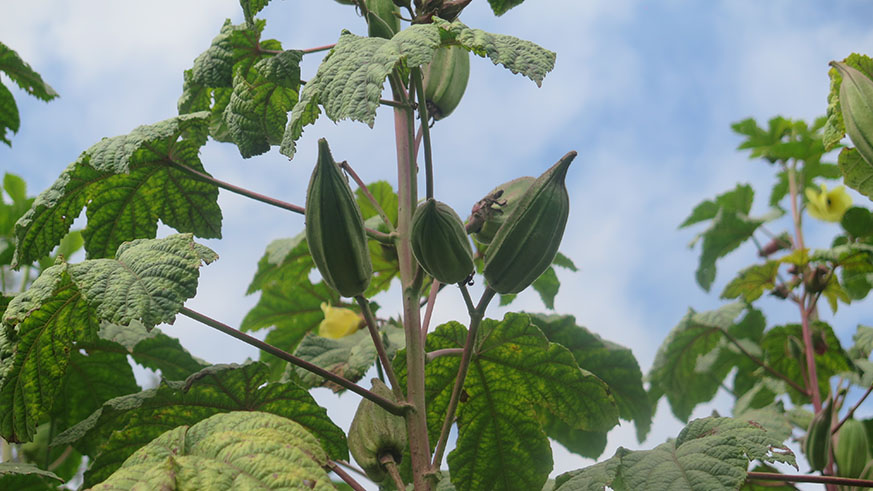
349,81
709,453
680,370
515,376
128,183
236,450
147,282
126,423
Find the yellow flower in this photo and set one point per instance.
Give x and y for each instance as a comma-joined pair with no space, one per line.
828,205
338,322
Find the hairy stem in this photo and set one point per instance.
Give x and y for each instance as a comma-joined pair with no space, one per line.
433,355
389,406
317,49
407,197
811,375
475,319
372,199
774,476
344,476
765,366
431,300
851,411
388,461
380,347
425,130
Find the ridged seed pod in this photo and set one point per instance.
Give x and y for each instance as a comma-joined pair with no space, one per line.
440,243
334,228
852,452
382,21
375,432
527,242
856,102
445,80
817,445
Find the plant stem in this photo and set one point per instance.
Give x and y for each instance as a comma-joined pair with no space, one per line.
363,187
774,476
380,347
812,377
395,104
389,406
431,299
317,49
407,198
344,476
425,130
238,190
763,365
851,412
388,461
433,355
475,319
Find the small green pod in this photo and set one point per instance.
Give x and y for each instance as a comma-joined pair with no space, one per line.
527,242
383,19
375,432
335,229
856,102
440,243
852,451
445,80
817,444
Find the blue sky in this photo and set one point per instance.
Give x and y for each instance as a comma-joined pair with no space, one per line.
644,91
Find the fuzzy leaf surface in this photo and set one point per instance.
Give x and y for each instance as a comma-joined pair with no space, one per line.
610,362
236,450
128,183
675,371
126,423
751,282
835,128
152,349
857,173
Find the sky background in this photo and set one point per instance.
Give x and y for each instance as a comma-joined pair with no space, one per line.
644,91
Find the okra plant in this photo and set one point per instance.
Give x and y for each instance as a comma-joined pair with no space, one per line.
510,387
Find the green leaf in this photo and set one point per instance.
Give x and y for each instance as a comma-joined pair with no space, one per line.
784,139
500,7
9,117
384,195
515,374
153,349
709,453
15,187
547,286
64,306
40,326
857,173
261,98
863,342
835,128
751,282
235,46
676,371
737,200
149,279
349,81
612,363
858,222
783,351
727,231
16,469
349,357
237,450
564,262
128,183
23,75
125,423
96,372
283,259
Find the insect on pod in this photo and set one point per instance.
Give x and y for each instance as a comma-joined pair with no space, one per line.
510,193
335,229
527,242
440,243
